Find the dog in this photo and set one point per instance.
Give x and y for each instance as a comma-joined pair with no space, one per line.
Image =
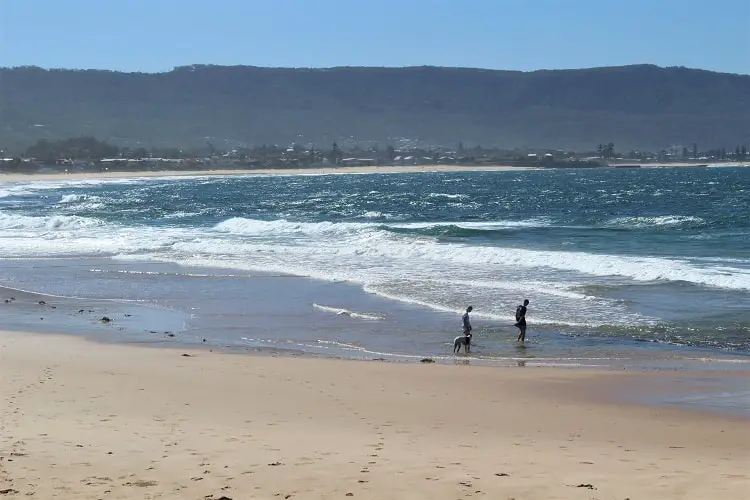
462,340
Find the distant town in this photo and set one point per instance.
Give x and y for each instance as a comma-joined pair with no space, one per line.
88,154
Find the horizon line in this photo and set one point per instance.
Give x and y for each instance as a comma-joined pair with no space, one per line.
324,68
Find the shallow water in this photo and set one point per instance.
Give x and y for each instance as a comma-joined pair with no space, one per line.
633,268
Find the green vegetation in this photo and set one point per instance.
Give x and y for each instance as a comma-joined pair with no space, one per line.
88,154
83,148
636,107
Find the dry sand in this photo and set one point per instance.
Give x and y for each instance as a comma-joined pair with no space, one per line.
256,171
86,420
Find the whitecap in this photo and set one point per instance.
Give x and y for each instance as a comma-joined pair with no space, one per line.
656,221
447,196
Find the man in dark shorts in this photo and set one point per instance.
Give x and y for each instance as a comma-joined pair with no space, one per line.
521,320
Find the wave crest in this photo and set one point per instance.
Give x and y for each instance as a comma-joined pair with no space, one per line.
55,222
656,221
346,312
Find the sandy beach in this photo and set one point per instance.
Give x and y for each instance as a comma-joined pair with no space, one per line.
8,177
13,177
86,420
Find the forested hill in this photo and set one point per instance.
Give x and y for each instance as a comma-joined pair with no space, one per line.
633,106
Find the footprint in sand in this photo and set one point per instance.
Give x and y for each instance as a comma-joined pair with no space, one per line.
96,480
141,484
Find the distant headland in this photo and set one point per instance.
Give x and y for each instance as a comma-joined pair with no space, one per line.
638,108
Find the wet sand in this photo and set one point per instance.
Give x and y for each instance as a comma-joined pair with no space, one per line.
89,420
100,319
158,303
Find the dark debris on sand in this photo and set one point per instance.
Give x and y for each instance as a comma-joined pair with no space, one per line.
588,486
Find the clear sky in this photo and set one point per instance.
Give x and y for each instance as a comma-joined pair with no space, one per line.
156,35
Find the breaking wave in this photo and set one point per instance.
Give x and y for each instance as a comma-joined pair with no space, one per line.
657,221
346,312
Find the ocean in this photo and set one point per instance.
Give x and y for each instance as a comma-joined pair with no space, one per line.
644,267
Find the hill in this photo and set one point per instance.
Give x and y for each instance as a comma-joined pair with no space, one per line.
633,106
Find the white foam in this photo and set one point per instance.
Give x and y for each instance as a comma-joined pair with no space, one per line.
23,188
252,227
25,236
345,312
76,202
363,252
376,215
447,196
411,268
363,351
656,221
180,215
486,225
55,222
73,198
161,273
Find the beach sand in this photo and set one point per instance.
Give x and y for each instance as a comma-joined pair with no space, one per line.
85,420
10,177
54,176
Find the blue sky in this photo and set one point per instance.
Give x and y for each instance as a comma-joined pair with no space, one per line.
156,35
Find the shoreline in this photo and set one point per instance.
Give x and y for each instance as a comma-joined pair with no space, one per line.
130,174
723,394
13,177
130,422
600,385
306,329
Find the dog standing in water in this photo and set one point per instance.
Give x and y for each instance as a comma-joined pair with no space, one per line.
464,339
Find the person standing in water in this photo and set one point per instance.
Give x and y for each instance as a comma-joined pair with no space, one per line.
521,320
466,325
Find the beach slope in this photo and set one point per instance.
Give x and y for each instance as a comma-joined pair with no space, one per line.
85,420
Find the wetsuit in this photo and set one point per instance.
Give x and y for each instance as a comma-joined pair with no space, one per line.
521,321
466,327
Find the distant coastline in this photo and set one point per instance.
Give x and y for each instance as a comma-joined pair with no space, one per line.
118,174
121,174
418,108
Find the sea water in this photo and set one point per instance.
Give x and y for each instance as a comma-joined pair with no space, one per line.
636,267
